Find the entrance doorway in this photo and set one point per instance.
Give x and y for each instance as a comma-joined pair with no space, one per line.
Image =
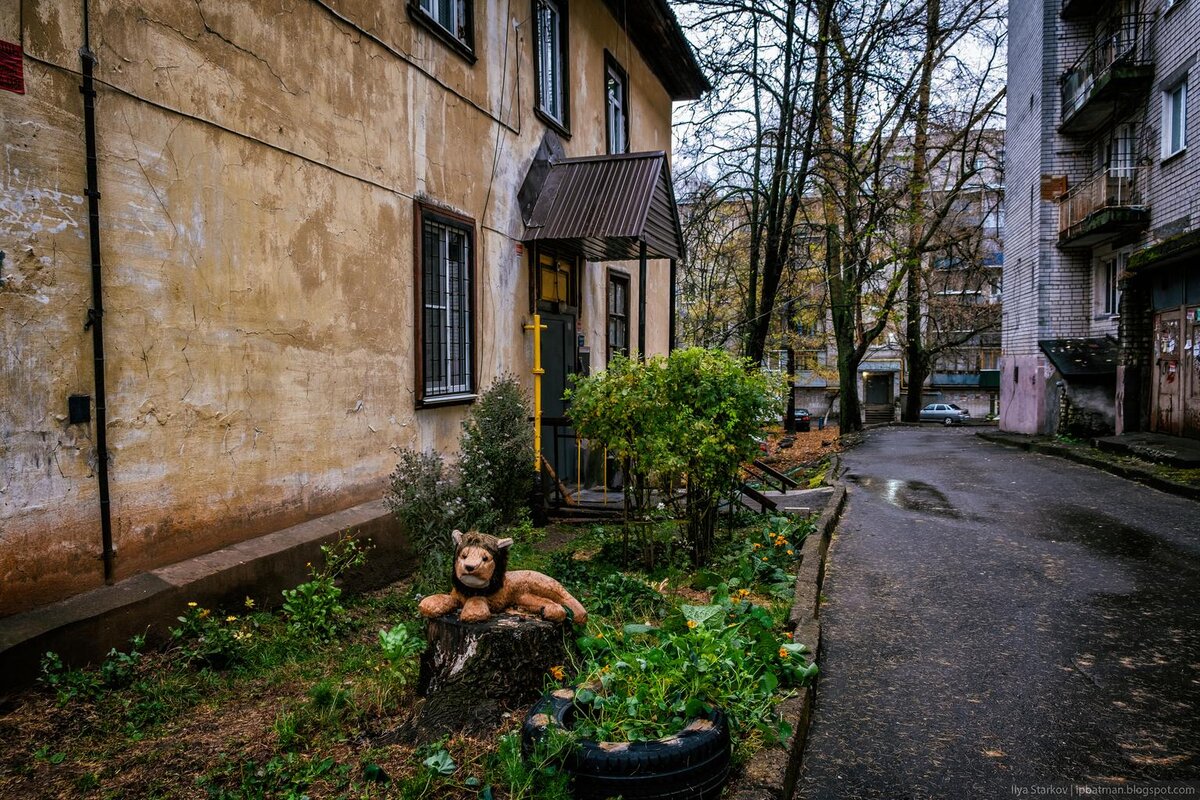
558,302
1175,401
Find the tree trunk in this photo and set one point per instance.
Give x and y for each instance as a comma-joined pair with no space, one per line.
471,673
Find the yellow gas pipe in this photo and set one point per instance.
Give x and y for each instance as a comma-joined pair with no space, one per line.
537,327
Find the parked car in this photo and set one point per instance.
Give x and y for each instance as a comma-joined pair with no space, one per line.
945,413
803,420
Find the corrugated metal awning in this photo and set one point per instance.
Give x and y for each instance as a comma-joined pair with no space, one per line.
604,207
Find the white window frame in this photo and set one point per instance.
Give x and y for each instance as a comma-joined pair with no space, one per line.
1174,100
550,56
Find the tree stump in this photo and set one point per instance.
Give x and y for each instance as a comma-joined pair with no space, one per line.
471,673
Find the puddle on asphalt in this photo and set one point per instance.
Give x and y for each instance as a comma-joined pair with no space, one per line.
908,495
1102,533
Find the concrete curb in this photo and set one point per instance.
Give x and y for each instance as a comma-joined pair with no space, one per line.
1129,472
772,773
83,628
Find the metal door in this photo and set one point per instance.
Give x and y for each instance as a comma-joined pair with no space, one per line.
559,358
1189,365
1168,377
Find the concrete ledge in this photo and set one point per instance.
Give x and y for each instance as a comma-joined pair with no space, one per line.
773,772
1128,471
82,629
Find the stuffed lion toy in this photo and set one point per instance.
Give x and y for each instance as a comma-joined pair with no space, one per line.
483,585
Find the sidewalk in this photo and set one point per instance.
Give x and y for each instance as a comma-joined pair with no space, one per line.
1124,456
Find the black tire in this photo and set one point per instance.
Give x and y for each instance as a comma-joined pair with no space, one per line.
692,765
948,422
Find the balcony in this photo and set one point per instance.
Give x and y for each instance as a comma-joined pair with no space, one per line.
1105,206
1114,71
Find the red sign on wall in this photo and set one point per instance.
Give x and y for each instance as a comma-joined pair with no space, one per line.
12,68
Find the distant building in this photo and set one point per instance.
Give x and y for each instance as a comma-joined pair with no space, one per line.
1102,277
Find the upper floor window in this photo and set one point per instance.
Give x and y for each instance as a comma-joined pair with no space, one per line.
616,114
445,312
550,59
451,20
1174,119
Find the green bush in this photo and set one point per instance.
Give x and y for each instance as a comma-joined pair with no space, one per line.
496,461
693,414
425,498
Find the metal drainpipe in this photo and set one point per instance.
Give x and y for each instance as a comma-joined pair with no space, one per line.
95,317
671,341
642,302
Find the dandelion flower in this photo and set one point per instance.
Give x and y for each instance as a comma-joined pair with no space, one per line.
192,604
764,558
791,552
557,672
691,623
249,602
231,618
783,653
203,613
757,546
788,635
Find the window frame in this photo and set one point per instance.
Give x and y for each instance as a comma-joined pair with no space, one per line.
423,213
562,7
616,277
465,47
1178,89
611,65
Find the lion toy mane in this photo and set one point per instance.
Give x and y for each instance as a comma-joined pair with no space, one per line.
483,585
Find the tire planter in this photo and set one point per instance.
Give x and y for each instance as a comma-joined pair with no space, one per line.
691,765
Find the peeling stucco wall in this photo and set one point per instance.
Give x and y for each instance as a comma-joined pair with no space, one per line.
258,169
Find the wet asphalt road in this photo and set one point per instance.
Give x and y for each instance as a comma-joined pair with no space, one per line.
997,619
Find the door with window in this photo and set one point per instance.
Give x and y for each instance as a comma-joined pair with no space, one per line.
558,303
1168,376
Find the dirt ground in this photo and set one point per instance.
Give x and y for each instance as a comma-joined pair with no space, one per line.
805,449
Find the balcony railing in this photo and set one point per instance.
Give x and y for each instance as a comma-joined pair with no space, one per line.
1104,205
1116,63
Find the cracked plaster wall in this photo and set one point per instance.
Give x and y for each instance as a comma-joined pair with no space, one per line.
258,166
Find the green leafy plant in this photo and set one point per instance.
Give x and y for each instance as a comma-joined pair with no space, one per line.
538,775
693,414
313,609
496,463
425,497
399,648
116,671
210,639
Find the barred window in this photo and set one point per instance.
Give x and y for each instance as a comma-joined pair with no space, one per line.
550,60
446,309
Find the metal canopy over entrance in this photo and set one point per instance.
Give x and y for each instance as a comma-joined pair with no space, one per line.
605,208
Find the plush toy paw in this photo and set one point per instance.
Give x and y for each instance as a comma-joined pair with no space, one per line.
475,612
554,613
436,605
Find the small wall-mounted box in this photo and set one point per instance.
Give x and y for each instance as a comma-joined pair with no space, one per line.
79,409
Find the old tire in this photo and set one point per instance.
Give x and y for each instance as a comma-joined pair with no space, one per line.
691,765
948,422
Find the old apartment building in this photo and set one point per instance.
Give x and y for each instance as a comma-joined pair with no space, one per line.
1102,284
251,249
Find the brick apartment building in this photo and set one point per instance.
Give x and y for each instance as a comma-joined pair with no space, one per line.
1101,281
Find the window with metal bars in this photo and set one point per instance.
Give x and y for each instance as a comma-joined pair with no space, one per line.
446,309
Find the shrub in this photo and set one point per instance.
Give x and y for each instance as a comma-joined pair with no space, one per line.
694,413
496,461
424,496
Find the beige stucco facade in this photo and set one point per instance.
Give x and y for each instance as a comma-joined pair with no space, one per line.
258,168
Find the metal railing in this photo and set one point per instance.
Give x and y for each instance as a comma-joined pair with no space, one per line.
1113,186
1122,41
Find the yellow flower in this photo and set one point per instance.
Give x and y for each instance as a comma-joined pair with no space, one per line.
757,546
203,613
600,635
791,552
764,558
192,605
557,673
783,653
231,618
788,635
249,602
691,623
